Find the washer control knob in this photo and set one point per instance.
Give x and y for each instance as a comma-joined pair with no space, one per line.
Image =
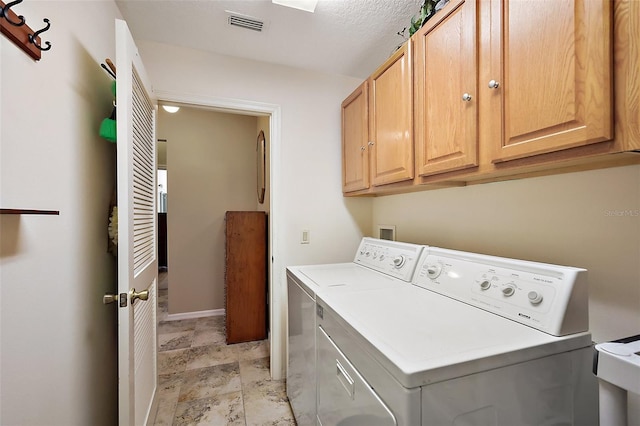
508,290
398,261
534,297
485,285
382,257
433,271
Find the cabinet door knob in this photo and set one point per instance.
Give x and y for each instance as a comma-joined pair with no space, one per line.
466,97
370,143
494,84
362,148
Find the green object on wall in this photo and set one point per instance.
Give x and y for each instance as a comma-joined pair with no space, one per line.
108,129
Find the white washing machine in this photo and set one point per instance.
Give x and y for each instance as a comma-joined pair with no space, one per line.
474,340
377,264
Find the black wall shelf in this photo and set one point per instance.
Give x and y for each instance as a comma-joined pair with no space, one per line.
29,211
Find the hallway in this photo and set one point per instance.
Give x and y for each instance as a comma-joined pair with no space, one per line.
204,381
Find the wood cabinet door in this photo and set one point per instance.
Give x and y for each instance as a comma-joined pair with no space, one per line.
446,111
355,136
552,61
391,120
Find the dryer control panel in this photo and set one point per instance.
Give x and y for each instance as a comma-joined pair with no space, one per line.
389,257
547,297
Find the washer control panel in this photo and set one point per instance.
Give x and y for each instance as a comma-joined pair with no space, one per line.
389,257
547,297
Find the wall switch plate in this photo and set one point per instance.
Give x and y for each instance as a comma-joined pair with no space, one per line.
304,239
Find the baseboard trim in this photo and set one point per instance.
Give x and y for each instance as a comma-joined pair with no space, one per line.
197,314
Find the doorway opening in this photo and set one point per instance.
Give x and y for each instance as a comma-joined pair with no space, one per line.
266,118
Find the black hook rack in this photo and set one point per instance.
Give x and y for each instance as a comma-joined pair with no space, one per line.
4,13
15,28
34,37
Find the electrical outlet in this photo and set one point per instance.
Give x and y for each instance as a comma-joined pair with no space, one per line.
304,239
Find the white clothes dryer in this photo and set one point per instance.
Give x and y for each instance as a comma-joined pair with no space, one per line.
377,264
474,340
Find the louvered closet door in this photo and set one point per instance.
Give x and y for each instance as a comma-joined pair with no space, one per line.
137,252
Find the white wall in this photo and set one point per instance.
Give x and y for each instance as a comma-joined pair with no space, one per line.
58,341
587,219
211,167
308,156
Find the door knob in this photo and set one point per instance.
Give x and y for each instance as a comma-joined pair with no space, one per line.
135,295
110,298
466,97
121,299
493,84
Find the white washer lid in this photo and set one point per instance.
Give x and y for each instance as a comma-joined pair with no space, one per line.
422,337
342,277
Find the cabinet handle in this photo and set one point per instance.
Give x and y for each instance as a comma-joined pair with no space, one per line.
494,84
362,148
466,97
370,143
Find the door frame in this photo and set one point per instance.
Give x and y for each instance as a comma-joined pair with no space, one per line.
277,292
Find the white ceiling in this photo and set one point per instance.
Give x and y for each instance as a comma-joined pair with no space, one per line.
347,37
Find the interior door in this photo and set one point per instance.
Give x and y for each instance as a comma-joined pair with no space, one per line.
137,223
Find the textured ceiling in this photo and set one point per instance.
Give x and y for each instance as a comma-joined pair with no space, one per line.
348,37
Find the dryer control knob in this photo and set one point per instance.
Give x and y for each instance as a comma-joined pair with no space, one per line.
508,290
534,297
485,285
398,261
433,271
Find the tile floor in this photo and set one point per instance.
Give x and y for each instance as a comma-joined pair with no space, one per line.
204,381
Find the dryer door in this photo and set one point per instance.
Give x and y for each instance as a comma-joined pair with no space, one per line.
344,397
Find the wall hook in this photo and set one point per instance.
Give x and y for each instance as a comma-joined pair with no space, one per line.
4,13
32,37
108,70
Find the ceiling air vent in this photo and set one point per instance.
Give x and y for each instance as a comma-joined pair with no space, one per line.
242,21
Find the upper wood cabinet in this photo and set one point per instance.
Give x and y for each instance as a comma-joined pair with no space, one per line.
377,127
445,103
549,77
355,136
490,90
627,74
391,119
